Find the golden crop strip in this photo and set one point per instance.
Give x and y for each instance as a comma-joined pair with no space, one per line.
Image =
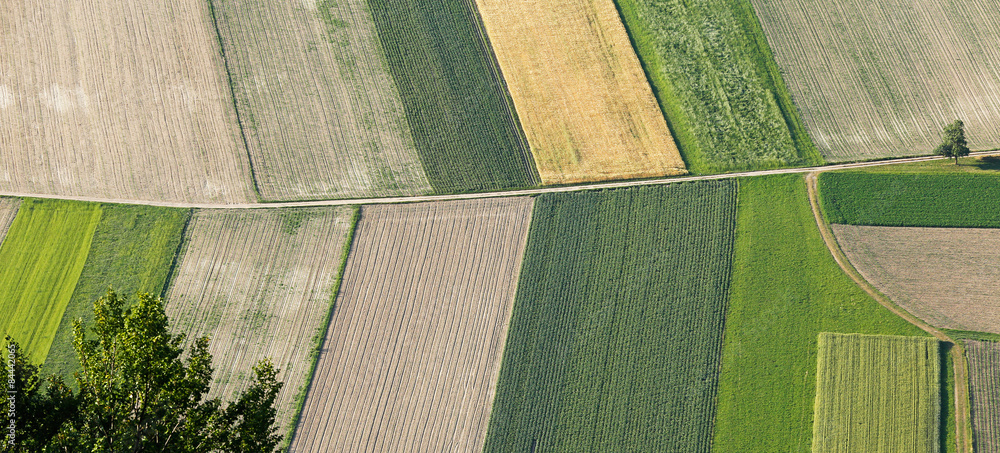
582,97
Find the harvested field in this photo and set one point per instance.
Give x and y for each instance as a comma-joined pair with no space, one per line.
118,100
8,210
879,79
616,335
414,346
877,393
945,276
984,377
584,102
321,114
259,284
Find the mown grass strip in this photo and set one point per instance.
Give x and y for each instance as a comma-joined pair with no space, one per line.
132,250
456,101
42,256
786,289
615,337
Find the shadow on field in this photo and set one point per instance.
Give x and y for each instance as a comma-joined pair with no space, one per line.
946,409
988,163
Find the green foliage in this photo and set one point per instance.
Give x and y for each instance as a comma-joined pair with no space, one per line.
40,405
718,84
132,250
43,255
786,289
456,101
924,200
877,393
615,336
953,143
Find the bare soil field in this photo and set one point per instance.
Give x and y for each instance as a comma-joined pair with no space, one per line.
984,376
413,349
259,284
120,100
945,276
584,102
8,210
878,79
321,113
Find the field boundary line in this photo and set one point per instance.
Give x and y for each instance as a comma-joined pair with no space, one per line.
963,428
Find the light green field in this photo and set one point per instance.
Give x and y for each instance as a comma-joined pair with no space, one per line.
877,393
43,255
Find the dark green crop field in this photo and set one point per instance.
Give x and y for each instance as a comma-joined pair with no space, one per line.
615,337
786,289
132,251
456,102
718,84
917,200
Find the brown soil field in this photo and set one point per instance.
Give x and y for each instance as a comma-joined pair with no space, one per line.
119,100
322,116
877,79
8,210
259,284
945,276
583,99
984,376
414,346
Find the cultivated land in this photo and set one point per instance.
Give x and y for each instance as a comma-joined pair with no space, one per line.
113,100
718,85
877,393
786,289
455,98
42,255
259,284
984,374
414,345
132,251
321,114
616,336
916,199
8,210
583,100
945,276
877,79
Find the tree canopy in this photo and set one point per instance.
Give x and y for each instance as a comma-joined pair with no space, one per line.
953,143
139,391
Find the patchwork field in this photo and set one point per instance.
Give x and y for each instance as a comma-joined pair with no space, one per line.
879,79
786,289
132,250
718,84
413,349
8,210
321,114
615,340
116,100
454,95
42,255
877,393
984,376
580,92
945,276
919,200
259,284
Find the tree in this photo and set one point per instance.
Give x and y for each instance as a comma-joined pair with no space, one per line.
953,143
139,391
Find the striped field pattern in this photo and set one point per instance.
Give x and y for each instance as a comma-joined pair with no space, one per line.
8,209
984,375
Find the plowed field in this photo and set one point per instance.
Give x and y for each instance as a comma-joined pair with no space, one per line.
414,345
946,276
984,377
120,100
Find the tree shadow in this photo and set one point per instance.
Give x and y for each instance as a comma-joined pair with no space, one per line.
987,163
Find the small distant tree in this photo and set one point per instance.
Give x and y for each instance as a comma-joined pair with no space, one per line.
953,143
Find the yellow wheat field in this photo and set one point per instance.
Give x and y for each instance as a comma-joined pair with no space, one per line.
117,99
582,97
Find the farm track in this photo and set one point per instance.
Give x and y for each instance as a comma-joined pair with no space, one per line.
963,428
509,193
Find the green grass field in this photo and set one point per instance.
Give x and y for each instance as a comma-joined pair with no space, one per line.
42,255
786,289
877,393
911,199
615,337
718,84
456,102
132,251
